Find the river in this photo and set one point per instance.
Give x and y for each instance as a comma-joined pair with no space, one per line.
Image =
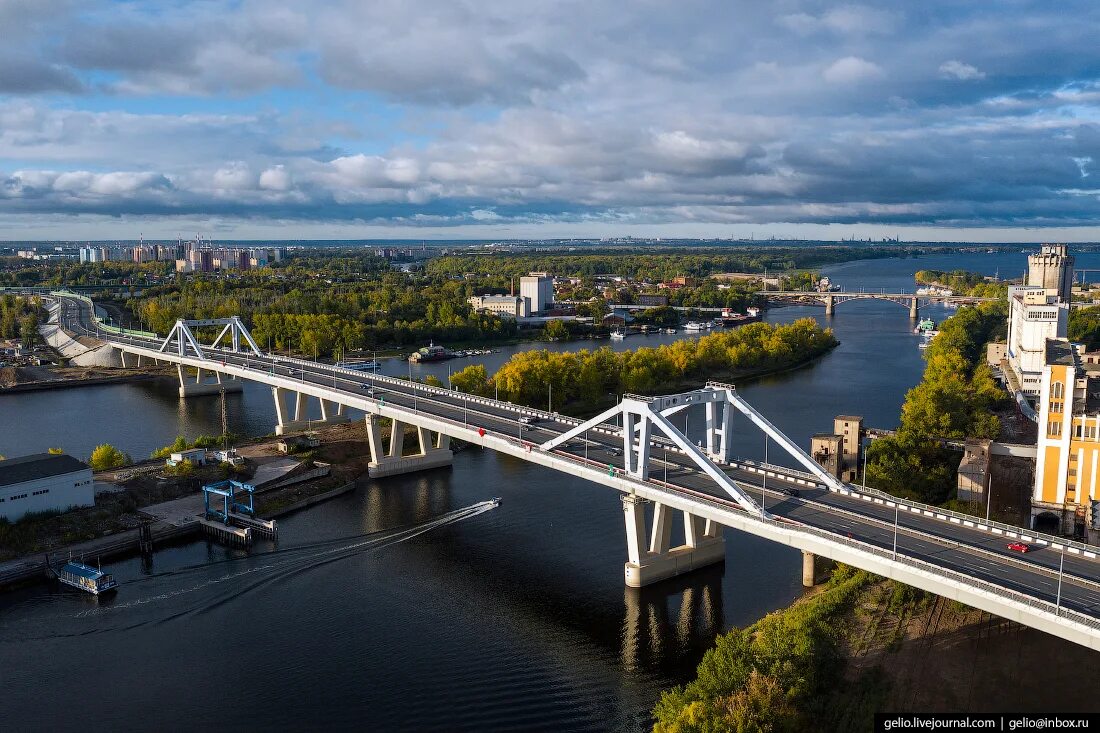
386,609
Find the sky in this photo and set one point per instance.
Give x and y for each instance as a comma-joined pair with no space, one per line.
444,119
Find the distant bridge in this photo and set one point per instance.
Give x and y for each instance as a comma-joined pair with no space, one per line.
830,300
635,449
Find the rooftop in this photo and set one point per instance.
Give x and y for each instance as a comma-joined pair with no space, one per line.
39,465
1060,351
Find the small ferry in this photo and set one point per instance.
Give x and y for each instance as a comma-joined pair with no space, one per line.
926,325
88,579
693,326
617,335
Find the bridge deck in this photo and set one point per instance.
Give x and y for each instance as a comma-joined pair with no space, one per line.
961,558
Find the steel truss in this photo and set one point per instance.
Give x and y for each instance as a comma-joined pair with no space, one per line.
643,418
181,339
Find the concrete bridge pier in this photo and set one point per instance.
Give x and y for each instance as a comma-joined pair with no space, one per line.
653,561
200,386
809,569
914,309
331,412
434,450
830,304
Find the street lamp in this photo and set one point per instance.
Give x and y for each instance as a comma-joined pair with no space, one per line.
1058,598
897,510
764,490
864,449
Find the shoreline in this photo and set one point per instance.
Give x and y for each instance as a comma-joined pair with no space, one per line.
48,384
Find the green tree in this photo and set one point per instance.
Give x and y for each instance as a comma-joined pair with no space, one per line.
556,331
106,456
56,452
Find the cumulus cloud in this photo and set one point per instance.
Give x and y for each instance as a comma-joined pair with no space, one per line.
433,113
955,69
851,69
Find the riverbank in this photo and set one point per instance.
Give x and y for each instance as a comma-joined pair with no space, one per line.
887,646
109,529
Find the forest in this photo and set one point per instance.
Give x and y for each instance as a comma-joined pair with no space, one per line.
579,380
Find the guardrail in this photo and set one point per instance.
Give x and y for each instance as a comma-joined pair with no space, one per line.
802,477
1054,609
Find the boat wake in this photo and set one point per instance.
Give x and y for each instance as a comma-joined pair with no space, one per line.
263,570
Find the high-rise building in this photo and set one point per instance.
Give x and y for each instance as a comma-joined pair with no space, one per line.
1052,270
538,290
1034,317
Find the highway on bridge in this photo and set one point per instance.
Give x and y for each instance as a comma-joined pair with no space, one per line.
791,496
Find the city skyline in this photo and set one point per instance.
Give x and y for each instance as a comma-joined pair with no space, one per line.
429,121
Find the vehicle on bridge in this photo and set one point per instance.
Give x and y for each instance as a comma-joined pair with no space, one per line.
1019,547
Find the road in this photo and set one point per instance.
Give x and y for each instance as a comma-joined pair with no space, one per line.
947,544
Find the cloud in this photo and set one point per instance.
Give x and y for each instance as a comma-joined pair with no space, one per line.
954,69
431,113
851,70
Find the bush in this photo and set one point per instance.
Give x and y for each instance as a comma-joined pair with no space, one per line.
106,456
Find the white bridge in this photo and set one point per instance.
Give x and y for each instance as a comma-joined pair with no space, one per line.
636,449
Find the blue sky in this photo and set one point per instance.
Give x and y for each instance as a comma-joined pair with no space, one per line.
447,119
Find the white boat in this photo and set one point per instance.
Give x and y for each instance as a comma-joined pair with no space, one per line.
670,330
85,578
361,366
693,326
617,335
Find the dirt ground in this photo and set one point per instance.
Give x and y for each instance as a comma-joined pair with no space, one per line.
940,656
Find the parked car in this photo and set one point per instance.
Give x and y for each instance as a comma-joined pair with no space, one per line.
1019,547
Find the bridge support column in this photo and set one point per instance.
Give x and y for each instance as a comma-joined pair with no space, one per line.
703,544
434,450
200,386
331,412
830,304
809,569
914,309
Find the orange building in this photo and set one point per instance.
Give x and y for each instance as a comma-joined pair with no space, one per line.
1067,462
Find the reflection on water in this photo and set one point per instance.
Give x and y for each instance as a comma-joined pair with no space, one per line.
670,619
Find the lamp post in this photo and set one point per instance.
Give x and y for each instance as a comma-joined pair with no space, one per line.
764,489
897,510
864,449
1058,598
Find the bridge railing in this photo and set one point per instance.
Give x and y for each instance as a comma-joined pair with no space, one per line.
100,323
869,493
1037,603
651,484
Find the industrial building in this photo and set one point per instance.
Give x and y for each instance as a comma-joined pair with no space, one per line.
43,482
538,290
511,306
1038,311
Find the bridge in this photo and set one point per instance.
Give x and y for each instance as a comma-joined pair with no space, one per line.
635,449
830,300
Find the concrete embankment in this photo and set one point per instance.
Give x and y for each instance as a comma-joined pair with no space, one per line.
30,569
72,383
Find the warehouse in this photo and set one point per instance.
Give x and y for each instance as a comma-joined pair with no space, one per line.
43,482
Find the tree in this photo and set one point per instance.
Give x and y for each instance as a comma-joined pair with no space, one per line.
56,452
556,331
107,456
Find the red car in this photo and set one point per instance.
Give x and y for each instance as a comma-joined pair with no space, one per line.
1018,547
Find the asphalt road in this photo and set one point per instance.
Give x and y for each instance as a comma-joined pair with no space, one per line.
963,549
